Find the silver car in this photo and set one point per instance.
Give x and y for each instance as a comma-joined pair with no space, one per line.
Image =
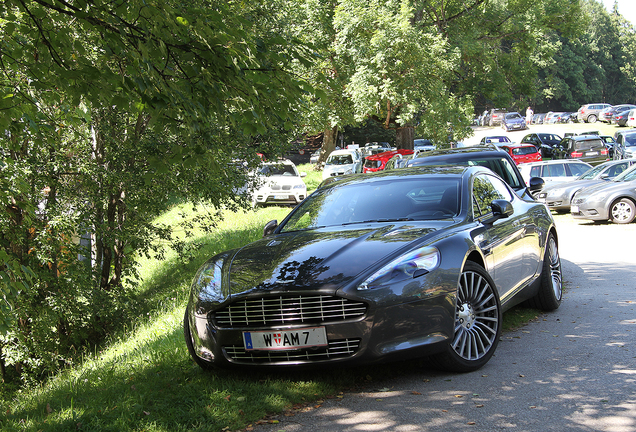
614,200
558,196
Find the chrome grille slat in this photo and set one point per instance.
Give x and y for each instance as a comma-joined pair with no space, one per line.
335,349
288,310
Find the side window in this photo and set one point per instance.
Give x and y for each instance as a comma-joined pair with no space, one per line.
556,170
535,171
487,188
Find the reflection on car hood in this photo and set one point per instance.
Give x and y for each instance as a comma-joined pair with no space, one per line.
570,186
606,187
323,258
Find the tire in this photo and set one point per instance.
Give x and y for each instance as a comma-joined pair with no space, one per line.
591,118
622,211
477,323
551,281
204,364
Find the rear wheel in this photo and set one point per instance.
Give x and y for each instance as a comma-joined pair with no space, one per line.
591,118
623,211
477,322
551,290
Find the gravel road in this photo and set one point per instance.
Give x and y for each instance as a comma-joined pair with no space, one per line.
570,370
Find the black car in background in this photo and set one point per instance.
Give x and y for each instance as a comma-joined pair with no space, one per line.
499,162
544,141
620,118
608,114
584,148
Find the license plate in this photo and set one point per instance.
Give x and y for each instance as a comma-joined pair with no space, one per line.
574,209
591,154
281,197
269,340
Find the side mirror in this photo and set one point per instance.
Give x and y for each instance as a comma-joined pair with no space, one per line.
270,227
605,176
500,209
303,174
536,184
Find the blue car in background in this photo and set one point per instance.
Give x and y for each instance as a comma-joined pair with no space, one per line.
513,121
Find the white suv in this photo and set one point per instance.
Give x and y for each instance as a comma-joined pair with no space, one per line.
341,162
589,113
279,183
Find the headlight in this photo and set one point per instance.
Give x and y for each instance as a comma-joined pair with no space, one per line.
412,265
207,284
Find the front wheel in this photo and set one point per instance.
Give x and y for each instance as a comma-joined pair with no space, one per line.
551,281
623,211
477,322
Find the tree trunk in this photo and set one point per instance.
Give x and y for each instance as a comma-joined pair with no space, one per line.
328,144
404,137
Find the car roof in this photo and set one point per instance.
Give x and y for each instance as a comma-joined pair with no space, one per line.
550,162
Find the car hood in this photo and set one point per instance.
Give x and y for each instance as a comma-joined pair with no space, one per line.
325,259
572,185
606,188
339,168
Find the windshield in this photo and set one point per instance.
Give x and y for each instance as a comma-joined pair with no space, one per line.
627,175
630,140
277,170
550,137
339,160
513,116
592,173
381,201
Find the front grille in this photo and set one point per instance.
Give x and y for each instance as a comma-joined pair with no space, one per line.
286,310
279,187
335,350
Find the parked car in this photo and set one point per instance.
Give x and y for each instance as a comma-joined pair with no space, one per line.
589,113
279,183
586,148
399,161
614,200
498,140
558,196
608,114
552,171
342,162
396,265
625,145
543,141
378,161
422,144
609,144
566,117
631,118
513,121
538,118
315,156
495,116
372,148
523,153
552,117
620,118
499,162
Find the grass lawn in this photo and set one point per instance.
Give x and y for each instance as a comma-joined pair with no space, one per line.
143,378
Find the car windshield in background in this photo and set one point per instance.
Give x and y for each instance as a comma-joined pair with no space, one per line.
379,201
512,116
549,137
340,160
630,140
587,144
628,175
591,173
520,151
277,169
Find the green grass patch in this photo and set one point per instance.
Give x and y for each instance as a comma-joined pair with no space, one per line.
144,379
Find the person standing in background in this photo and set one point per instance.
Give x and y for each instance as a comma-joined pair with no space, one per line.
529,114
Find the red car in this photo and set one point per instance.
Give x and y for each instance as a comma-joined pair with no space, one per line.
523,153
377,162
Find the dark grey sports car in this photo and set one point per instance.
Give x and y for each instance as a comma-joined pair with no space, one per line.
394,265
